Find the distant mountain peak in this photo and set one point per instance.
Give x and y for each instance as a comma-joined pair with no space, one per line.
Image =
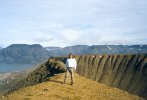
24,45
23,53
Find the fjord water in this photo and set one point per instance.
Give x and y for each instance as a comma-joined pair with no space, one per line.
7,68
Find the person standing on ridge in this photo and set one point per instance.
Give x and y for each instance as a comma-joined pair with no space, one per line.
71,64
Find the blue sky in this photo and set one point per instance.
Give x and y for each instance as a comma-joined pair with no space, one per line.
73,22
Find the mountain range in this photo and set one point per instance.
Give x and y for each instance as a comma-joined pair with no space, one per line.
23,53
98,49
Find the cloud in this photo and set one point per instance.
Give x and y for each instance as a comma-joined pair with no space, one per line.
43,39
68,22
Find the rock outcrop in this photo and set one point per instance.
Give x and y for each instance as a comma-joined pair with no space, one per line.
126,72
40,74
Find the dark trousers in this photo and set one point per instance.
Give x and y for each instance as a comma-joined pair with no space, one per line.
71,72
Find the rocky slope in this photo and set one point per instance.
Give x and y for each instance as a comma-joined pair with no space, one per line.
126,72
83,89
35,76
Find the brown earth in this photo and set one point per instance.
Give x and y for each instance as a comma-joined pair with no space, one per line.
83,89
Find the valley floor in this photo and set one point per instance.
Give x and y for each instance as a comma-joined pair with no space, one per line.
83,89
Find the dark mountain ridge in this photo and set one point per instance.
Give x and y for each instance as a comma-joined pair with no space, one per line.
23,53
100,49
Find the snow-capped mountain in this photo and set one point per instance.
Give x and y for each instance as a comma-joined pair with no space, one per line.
98,49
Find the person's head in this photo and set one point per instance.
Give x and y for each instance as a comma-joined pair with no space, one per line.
70,56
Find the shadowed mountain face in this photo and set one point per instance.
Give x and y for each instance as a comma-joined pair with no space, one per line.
23,53
126,72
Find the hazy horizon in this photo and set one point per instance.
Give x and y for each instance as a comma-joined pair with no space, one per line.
72,45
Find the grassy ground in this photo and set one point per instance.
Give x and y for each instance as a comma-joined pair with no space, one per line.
83,89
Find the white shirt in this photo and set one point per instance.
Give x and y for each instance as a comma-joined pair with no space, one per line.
71,63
